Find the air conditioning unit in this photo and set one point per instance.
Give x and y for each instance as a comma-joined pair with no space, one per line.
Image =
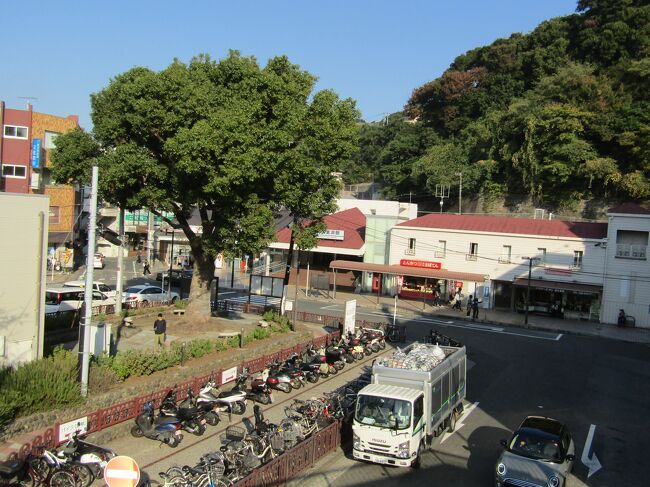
409,252
35,180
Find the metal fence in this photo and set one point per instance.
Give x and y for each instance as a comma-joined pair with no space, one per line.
301,457
127,410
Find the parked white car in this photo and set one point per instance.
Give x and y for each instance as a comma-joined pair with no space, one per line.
59,300
97,286
146,293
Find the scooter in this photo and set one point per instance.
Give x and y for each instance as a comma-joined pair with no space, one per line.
189,414
211,398
95,456
164,429
311,370
356,349
334,356
259,391
278,378
347,350
376,338
319,356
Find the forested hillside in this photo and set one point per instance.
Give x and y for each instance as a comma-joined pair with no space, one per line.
558,116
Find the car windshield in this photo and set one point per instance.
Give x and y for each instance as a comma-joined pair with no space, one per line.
536,446
134,290
383,412
51,298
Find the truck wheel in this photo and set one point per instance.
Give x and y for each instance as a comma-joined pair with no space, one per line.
451,422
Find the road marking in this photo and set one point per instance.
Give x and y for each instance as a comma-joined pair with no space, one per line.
460,423
333,307
591,463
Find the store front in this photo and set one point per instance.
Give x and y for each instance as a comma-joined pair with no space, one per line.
418,280
569,300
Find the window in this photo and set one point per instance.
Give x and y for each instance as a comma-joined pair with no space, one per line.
541,257
15,132
54,215
11,171
418,411
442,248
411,248
631,244
577,259
473,251
506,252
48,142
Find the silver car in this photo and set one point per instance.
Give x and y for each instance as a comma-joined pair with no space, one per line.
539,454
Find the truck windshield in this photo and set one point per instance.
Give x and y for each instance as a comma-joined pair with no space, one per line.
383,412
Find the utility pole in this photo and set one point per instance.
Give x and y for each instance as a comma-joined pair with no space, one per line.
171,260
150,237
530,270
84,343
460,194
120,263
442,192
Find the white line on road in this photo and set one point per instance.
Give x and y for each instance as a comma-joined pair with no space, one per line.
460,423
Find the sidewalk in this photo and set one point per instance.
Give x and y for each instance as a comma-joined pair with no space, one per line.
488,316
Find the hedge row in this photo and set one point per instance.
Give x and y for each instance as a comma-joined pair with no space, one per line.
52,382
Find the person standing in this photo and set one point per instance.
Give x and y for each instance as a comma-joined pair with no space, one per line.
475,308
459,300
146,270
469,305
160,331
139,258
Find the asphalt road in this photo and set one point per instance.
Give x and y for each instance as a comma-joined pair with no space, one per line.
581,381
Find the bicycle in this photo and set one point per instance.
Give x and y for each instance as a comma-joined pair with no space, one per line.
82,474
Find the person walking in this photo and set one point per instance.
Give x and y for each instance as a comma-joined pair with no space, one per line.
469,305
146,270
160,331
475,308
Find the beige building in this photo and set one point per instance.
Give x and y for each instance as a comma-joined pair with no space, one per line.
24,226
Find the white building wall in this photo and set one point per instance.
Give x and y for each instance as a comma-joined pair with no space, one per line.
403,211
491,261
627,280
24,229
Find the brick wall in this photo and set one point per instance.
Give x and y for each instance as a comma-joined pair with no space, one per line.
63,198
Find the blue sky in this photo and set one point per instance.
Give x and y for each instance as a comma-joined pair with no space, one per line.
373,51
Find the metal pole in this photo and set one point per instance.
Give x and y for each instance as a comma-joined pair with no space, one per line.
307,283
395,310
460,195
232,275
530,269
171,260
150,237
295,298
120,264
88,291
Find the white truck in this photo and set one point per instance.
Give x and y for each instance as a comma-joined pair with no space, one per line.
413,397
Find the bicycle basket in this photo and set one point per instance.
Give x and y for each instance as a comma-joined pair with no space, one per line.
251,461
216,467
235,433
277,441
290,430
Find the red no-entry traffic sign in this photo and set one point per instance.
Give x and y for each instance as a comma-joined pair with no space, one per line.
122,472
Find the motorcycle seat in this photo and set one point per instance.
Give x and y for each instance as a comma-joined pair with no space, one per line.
226,394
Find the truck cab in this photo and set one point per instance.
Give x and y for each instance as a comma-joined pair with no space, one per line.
388,425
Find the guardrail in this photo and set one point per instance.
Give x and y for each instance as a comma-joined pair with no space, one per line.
124,411
301,457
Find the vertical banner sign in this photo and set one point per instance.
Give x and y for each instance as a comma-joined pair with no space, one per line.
350,316
36,153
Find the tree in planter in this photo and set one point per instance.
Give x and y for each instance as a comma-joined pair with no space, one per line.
227,139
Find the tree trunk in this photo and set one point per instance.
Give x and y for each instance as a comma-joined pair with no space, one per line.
199,299
287,270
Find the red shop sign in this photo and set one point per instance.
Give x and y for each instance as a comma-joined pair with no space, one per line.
420,263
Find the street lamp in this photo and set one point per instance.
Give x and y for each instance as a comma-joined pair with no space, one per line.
530,269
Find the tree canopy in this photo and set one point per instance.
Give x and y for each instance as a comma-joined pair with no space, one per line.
229,139
558,115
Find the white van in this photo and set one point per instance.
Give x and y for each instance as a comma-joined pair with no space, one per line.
59,300
97,286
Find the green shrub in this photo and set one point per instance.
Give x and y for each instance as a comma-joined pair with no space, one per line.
39,385
233,342
181,303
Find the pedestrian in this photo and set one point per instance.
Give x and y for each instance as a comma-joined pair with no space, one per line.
139,258
341,328
469,305
146,269
459,299
160,331
475,308
622,318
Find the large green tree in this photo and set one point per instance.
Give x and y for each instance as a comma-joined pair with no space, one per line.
229,139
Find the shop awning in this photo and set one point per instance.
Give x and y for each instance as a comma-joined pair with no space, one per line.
400,270
559,285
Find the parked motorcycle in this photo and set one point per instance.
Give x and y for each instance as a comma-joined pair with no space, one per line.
259,390
319,356
190,415
164,429
211,398
334,356
94,456
311,370
376,338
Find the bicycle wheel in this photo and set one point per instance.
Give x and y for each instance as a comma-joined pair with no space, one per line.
40,468
62,478
83,474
